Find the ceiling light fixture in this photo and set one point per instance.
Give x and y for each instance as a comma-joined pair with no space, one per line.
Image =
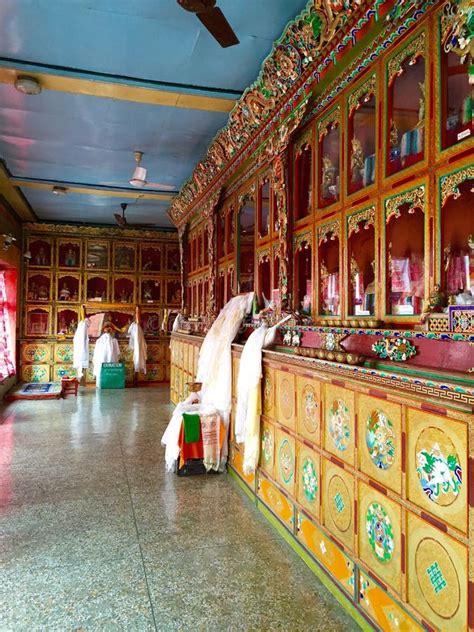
27,85
59,190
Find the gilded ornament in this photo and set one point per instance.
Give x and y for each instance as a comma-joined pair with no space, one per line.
415,49
366,90
414,198
353,221
302,240
457,29
332,119
450,183
329,231
395,349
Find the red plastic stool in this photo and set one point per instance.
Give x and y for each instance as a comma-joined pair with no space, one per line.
69,385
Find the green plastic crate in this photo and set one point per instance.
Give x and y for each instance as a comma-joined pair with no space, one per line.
112,375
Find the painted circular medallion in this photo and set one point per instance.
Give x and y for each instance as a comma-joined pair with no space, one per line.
286,461
310,480
438,578
267,445
379,532
438,467
286,399
340,504
310,408
380,439
339,425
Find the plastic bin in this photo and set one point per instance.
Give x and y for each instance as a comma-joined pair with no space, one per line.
112,375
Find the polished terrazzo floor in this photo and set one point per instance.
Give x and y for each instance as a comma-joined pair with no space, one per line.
94,535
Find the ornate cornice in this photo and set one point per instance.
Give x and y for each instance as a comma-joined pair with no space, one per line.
98,231
330,230
450,183
365,89
414,198
414,49
367,215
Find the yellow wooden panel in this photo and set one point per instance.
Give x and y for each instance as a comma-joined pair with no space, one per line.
285,398
437,576
276,501
63,370
339,422
285,461
268,392
308,408
380,535
38,352
308,478
63,352
35,373
437,466
380,440
155,352
235,373
337,491
237,461
267,448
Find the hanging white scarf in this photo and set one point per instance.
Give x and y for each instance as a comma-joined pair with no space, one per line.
80,343
138,345
106,350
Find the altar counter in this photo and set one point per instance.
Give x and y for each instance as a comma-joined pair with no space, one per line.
367,473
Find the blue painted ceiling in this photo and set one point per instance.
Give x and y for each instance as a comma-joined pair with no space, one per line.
76,138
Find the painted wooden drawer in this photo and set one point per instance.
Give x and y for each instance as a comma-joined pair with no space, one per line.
155,352
154,373
35,352
235,373
308,408
35,373
285,461
308,478
63,370
63,352
340,566
337,491
267,448
382,609
285,399
268,398
237,463
276,501
339,422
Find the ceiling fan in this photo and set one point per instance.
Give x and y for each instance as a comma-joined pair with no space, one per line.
122,220
138,179
213,19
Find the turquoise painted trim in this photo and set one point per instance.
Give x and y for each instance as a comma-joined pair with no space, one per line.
343,600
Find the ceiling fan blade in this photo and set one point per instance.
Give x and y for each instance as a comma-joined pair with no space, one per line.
217,25
160,185
121,221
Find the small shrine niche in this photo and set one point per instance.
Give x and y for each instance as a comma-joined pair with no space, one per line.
97,289
37,321
121,320
172,259
457,241
276,277
38,287
151,259
264,219
173,292
205,247
361,260
329,271
246,242
457,121
221,236
303,274
405,243
97,255
361,138
230,220
66,322
264,276
69,254
124,257
329,160
68,288
150,322
151,291
406,111
124,290
303,178
40,250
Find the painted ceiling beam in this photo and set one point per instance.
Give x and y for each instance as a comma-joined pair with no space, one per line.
14,197
90,189
117,87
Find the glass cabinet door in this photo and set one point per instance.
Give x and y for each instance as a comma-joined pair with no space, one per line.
329,270
329,159
220,237
361,137
303,177
303,273
361,263
406,107
264,277
264,197
246,244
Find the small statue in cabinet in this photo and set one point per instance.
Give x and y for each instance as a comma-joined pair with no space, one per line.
33,292
357,160
43,293
422,104
40,258
65,293
70,258
435,304
328,177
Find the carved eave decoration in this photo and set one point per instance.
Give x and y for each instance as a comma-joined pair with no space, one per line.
315,41
367,215
415,199
330,231
98,231
450,184
364,91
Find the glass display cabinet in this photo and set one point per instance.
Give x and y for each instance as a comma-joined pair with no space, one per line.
230,231
221,235
303,272
150,322
97,288
361,263
68,287
123,289
456,224
172,258
69,253
150,290
246,242
97,254
38,286
362,136
264,208
303,175
38,320
41,252
264,275
150,258
66,321
406,106
276,274
220,288
329,269
329,158
125,256
173,292
405,252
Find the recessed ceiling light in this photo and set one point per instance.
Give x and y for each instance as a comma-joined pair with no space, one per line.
27,85
59,190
